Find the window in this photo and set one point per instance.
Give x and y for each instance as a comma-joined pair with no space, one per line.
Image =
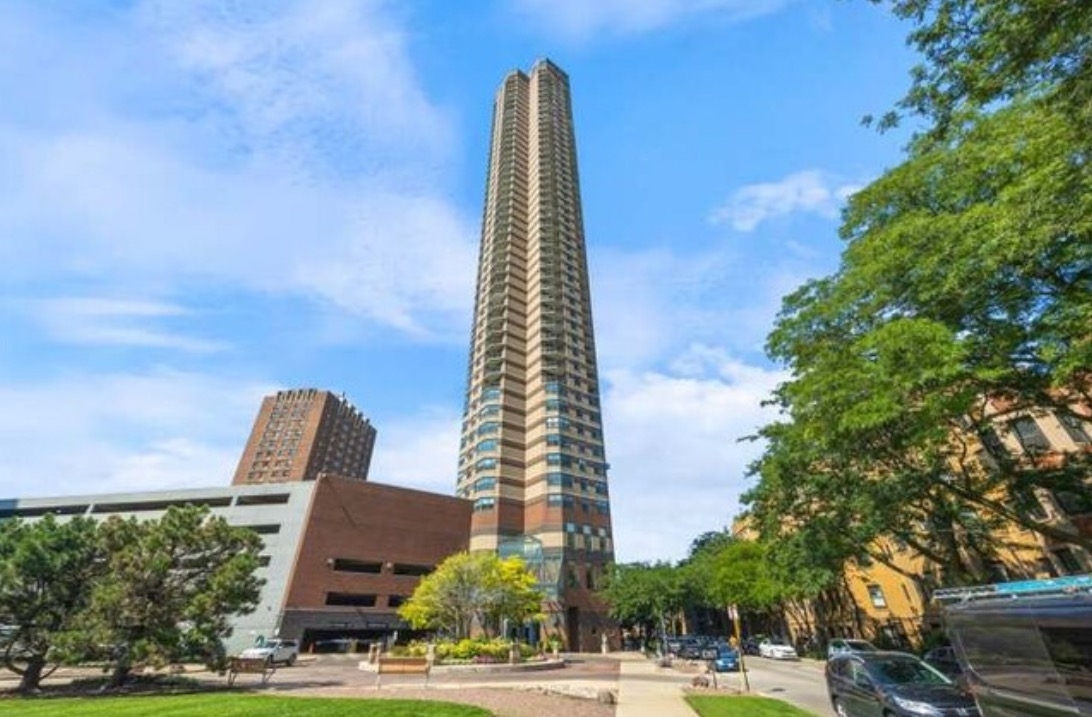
553,439
1069,562
412,570
554,500
1070,649
488,483
1030,435
396,600
348,565
488,427
350,600
1073,502
1074,426
488,445
1044,565
1028,502
875,594
995,448
486,463
270,529
482,504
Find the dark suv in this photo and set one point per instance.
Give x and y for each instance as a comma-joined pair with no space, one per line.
896,684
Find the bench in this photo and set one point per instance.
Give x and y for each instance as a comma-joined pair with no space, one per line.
388,665
252,666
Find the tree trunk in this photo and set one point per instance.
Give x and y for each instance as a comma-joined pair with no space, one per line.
32,675
121,671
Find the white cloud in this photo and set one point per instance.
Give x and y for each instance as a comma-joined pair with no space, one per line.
418,451
93,433
581,19
649,306
809,191
280,147
677,466
104,321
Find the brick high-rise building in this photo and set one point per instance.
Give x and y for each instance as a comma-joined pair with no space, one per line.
531,455
303,432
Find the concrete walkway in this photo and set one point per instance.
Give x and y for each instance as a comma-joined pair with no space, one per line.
645,690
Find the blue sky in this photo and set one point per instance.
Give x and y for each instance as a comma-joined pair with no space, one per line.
202,202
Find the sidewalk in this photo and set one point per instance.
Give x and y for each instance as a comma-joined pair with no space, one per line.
645,690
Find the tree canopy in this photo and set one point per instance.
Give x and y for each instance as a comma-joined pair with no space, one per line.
169,590
977,54
469,589
643,594
47,569
965,286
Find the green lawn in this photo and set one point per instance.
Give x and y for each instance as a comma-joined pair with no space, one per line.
229,705
708,706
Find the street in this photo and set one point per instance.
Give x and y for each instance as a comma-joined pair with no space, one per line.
798,682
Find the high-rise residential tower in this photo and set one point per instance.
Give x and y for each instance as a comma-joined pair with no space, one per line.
531,455
303,432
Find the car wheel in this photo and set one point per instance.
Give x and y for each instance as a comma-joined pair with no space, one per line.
840,709
291,660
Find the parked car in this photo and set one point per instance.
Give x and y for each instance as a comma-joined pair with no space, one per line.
898,684
841,645
777,650
750,646
275,651
727,659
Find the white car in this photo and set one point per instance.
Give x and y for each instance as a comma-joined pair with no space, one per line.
776,650
843,645
274,651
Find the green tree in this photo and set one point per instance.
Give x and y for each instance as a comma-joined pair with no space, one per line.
645,595
47,569
967,276
738,573
511,594
469,589
169,590
978,54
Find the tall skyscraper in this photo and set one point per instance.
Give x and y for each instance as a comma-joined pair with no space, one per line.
531,456
303,432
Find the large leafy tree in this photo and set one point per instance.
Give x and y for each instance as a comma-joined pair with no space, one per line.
469,589
47,569
169,589
966,281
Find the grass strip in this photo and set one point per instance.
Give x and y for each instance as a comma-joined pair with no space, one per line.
729,706
229,705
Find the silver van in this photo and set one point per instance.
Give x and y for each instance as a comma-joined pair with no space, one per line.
1026,652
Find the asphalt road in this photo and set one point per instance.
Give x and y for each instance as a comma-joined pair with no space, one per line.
798,682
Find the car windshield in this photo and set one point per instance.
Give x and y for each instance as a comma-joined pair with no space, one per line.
905,671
